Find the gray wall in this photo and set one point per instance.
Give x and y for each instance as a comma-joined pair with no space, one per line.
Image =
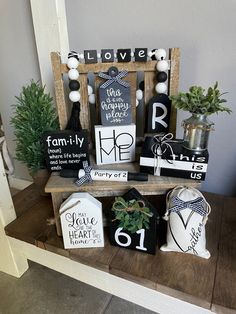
204,30
18,63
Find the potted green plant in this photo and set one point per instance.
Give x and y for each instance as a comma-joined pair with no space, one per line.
200,104
34,114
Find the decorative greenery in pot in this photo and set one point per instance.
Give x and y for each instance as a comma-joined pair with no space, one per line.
201,104
34,114
132,215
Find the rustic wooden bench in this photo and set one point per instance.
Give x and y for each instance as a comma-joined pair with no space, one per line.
165,283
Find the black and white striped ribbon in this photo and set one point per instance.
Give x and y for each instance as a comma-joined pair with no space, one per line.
112,79
197,205
87,177
162,144
74,54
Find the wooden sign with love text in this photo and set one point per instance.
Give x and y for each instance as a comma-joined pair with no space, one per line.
115,99
81,221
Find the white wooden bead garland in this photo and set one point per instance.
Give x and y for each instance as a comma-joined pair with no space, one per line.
162,66
158,54
92,99
73,74
139,93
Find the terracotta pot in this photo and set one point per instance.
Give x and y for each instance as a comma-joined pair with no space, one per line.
40,179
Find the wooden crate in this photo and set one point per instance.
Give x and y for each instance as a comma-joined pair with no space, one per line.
148,68
59,187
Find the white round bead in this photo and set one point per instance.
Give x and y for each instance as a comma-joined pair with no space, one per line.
132,54
73,74
81,56
137,102
162,66
90,90
72,63
161,88
139,94
98,55
92,99
160,54
74,96
150,53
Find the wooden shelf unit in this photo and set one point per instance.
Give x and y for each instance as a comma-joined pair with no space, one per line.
61,187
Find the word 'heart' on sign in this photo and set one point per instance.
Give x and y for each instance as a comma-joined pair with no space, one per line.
65,149
115,144
159,109
81,221
115,99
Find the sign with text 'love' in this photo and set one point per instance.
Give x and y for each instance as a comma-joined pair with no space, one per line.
81,221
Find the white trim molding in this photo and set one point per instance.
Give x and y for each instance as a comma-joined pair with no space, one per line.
130,291
50,29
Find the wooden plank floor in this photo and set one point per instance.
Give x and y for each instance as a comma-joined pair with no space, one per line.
189,278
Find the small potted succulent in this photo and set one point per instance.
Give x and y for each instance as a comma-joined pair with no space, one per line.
200,104
34,114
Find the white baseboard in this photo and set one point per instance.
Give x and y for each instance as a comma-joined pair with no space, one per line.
17,183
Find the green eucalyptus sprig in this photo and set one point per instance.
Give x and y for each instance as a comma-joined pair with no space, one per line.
133,215
198,102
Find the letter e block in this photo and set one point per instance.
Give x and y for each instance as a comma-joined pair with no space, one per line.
140,54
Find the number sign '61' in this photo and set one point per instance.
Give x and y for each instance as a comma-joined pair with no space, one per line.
143,240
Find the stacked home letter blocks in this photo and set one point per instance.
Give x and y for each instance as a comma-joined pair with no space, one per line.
115,138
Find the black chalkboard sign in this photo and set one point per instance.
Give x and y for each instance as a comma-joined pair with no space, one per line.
65,149
115,99
159,109
143,240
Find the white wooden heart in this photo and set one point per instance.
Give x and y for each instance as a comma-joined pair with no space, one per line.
186,228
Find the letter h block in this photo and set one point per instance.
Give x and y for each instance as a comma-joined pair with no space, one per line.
115,144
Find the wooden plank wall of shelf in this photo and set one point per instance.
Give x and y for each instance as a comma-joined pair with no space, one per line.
148,68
